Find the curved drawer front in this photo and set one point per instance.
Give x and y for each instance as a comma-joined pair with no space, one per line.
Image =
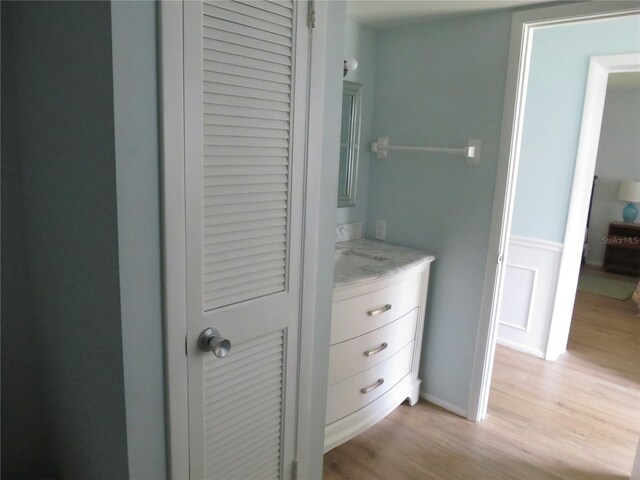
349,395
359,315
366,351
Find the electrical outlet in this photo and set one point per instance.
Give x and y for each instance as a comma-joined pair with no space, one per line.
381,230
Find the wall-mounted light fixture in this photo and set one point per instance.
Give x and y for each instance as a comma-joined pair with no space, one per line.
350,66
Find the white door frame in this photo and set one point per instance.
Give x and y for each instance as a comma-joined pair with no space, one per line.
174,241
522,28
174,238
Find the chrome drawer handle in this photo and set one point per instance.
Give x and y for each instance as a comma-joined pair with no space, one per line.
372,387
368,353
378,311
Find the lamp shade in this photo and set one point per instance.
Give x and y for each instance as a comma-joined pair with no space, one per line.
629,191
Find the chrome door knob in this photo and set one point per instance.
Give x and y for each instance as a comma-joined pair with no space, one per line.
211,341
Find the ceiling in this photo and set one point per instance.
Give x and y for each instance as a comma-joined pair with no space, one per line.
387,13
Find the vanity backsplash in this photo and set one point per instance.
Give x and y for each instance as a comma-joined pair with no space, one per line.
348,231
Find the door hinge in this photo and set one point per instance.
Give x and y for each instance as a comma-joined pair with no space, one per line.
312,14
294,470
185,346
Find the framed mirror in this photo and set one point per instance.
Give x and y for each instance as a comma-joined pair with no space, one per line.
349,143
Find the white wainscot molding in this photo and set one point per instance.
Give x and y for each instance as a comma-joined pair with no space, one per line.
529,291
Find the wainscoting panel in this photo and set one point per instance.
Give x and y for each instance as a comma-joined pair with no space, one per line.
520,289
529,291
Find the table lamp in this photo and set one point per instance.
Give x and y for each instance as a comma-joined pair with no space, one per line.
629,192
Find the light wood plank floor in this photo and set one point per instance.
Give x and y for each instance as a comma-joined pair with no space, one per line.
576,418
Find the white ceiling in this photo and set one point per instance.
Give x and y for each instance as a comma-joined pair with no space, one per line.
387,13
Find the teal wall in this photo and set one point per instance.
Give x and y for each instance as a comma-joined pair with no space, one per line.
360,43
25,427
437,84
64,205
553,113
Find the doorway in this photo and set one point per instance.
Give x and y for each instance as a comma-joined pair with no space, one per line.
570,225
571,398
537,299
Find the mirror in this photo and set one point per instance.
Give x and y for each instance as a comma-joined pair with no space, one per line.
349,143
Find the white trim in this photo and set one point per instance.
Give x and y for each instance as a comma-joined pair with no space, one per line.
593,264
512,119
528,242
528,300
599,70
174,240
312,353
517,327
532,299
520,348
441,403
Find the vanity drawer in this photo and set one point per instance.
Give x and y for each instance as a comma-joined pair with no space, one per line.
351,394
359,315
366,351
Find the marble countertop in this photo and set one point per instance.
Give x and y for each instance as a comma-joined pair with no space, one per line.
360,261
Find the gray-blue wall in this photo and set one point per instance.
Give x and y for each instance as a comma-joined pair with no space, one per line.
25,442
553,116
64,134
437,84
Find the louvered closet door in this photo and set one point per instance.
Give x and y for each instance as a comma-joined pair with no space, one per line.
245,84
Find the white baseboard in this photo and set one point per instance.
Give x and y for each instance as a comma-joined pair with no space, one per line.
446,405
520,348
593,264
553,356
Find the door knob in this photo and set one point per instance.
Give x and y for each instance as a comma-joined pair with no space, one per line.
211,341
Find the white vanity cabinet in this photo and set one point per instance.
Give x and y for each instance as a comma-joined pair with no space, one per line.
376,337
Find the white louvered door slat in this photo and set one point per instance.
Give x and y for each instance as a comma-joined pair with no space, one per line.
249,113
239,40
245,87
215,10
271,55
248,31
267,6
274,17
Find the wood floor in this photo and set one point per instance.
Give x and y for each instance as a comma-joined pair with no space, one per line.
576,418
